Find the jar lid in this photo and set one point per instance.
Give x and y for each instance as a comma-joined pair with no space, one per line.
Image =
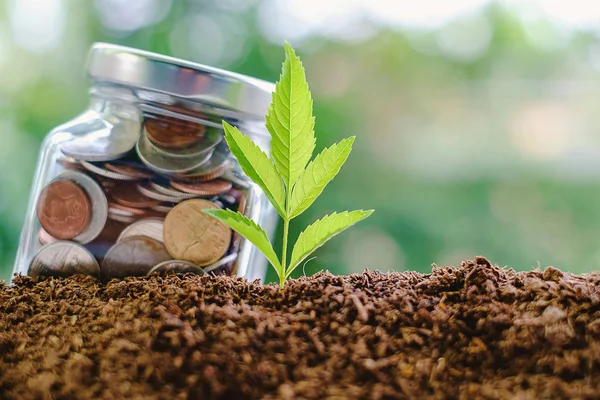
191,81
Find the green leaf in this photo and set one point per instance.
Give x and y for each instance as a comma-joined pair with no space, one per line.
290,121
318,174
257,165
247,228
319,232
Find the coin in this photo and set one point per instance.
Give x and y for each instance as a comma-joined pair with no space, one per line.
133,256
106,143
147,190
235,199
194,236
173,133
106,183
128,195
207,143
177,266
216,166
163,208
129,211
121,218
150,227
236,178
129,170
106,239
63,209
44,237
164,164
223,261
98,201
105,172
210,188
63,259
170,192
69,163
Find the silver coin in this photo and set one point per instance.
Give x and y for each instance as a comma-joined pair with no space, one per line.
221,262
97,198
149,227
106,144
44,237
219,160
211,139
149,192
63,258
171,192
121,218
177,266
165,164
121,212
106,173
162,208
236,179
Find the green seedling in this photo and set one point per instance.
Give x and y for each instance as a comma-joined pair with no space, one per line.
290,180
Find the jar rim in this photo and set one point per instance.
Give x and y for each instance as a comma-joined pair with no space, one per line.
179,78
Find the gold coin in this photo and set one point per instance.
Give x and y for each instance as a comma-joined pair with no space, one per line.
192,235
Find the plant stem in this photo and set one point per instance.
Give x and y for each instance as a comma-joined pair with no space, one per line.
286,227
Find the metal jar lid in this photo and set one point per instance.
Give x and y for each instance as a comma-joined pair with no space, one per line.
110,63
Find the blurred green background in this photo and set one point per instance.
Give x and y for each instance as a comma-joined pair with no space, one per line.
476,121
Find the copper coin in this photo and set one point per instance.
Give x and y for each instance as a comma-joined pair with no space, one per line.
212,139
69,163
210,188
173,133
64,209
63,259
177,266
129,210
129,170
194,236
128,195
134,256
172,142
99,204
200,178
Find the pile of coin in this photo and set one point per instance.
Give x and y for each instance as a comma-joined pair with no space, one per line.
129,203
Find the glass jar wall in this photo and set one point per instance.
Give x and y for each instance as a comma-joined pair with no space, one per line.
120,190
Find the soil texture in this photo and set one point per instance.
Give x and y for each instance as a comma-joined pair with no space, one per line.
475,331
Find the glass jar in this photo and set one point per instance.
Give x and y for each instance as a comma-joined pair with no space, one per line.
119,190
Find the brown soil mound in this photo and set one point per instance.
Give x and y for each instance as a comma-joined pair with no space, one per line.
477,331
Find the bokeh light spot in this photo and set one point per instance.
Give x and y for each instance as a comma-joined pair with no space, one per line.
372,248
130,15
37,25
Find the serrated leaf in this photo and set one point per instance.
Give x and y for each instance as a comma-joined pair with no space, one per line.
318,174
290,121
320,231
257,165
247,228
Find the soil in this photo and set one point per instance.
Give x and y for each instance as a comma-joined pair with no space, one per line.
476,331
